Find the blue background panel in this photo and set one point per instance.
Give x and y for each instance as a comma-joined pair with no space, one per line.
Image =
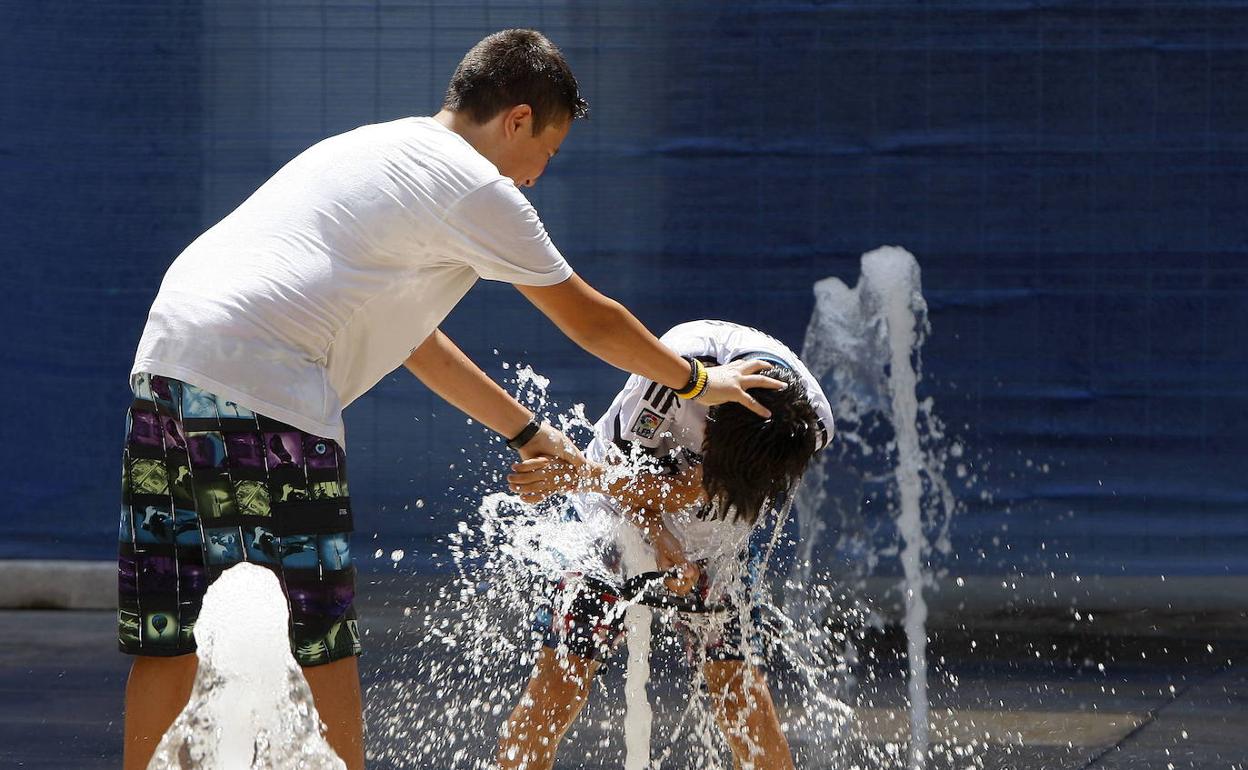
1072,177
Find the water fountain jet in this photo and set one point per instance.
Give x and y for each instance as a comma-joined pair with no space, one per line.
250,706
863,344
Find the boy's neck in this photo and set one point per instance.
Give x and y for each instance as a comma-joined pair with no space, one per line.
475,134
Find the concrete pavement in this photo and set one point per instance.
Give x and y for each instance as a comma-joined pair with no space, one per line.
1043,700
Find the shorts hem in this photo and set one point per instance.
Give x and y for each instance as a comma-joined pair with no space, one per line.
172,653
147,652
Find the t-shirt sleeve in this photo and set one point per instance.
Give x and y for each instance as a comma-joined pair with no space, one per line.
647,418
503,239
639,420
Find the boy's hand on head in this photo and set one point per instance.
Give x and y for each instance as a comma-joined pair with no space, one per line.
731,381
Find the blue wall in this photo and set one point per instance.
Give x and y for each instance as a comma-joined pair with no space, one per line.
1072,176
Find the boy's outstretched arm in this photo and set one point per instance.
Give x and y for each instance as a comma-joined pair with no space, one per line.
634,488
442,366
606,329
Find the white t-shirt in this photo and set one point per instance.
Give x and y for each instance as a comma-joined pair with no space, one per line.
330,274
671,429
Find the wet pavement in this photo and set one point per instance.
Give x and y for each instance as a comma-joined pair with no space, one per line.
1034,696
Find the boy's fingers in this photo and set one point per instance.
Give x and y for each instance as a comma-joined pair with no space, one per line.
572,455
531,464
754,366
530,490
761,381
534,477
542,481
527,479
748,402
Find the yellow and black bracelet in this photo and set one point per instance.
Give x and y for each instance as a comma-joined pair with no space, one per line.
698,378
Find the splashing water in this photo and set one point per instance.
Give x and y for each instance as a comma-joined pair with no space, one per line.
863,344
467,650
250,706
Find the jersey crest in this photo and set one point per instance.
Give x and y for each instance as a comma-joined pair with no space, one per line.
647,424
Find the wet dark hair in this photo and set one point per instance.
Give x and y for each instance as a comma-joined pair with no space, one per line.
748,461
515,66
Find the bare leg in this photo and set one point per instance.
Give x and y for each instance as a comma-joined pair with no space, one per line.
336,691
745,713
550,704
156,692
159,688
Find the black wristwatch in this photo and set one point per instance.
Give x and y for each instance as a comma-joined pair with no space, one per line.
526,435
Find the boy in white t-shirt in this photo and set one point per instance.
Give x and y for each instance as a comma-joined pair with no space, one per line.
696,481
332,274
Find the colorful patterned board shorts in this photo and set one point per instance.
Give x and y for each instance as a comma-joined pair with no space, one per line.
592,625
207,484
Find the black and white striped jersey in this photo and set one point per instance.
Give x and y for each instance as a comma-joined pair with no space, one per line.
648,417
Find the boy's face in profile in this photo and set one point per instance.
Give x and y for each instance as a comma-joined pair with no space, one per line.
522,157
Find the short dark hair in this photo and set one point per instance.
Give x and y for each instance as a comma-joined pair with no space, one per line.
749,461
515,66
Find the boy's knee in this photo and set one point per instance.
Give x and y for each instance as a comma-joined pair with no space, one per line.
170,676
554,707
734,689
734,709
552,701
529,739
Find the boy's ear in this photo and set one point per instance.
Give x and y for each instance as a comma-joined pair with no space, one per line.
518,119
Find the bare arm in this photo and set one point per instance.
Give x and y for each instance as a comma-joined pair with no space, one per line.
441,365
651,494
606,329
659,494
644,492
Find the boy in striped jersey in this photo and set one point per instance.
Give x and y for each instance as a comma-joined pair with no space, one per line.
694,481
